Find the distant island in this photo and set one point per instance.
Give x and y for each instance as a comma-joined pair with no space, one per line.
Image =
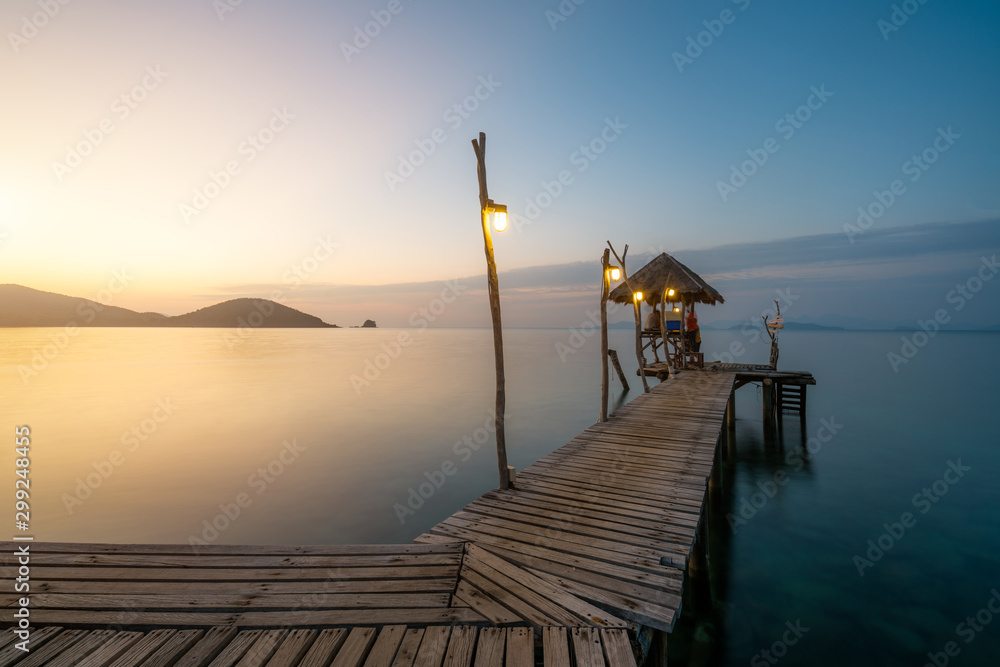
25,307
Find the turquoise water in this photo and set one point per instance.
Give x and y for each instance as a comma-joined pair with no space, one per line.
149,435
793,560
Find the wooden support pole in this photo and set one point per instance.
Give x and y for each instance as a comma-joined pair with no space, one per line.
684,356
638,346
605,288
638,324
663,333
618,368
494,290
768,401
731,411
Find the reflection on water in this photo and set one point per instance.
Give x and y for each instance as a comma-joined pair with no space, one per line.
272,442
312,436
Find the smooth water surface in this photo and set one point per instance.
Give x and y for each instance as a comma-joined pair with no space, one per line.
156,435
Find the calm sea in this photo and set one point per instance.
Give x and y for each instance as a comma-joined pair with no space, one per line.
869,533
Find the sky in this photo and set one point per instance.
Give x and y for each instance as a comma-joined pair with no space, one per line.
319,153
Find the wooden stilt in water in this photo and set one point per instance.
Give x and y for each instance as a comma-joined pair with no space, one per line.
618,368
605,288
768,401
731,411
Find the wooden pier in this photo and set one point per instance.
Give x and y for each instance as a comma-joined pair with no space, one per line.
590,548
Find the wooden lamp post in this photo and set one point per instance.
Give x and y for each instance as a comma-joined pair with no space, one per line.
499,214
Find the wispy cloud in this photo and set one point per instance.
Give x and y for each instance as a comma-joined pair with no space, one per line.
906,262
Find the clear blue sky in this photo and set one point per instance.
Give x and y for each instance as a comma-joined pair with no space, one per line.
346,119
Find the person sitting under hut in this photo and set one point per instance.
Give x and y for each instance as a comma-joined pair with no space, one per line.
692,332
652,322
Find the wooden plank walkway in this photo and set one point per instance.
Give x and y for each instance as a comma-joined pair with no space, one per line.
607,520
592,544
389,646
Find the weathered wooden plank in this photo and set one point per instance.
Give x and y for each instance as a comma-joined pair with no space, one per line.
11,654
73,653
273,619
557,503
108,651
242,562
587,647
555,508
567,543
427,538
262,649
142,649
219,601
237,648
667,578
433,647
521,609
240,550
407,652
490,648
355,648
149,619
549,591
327,643
461,647
292,648
654,608
578,525
112,574
520,647
383,652
617,648
490,609
372,586
188,643
555,647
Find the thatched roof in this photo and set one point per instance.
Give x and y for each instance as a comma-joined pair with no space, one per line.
662,272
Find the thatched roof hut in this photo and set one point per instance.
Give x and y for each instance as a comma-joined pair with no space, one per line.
666,272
